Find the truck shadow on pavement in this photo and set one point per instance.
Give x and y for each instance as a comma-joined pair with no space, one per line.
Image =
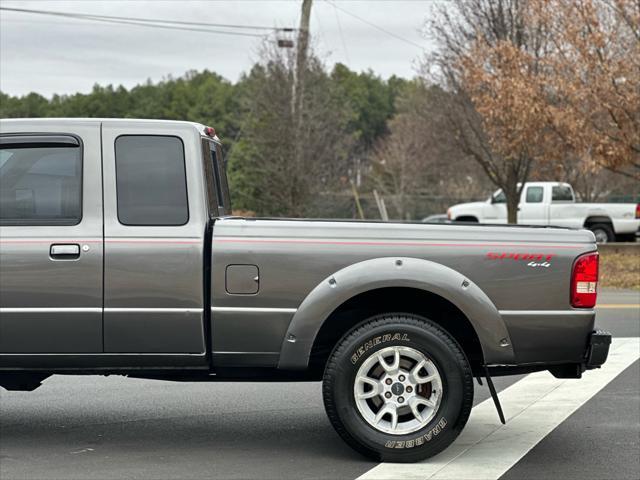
53,441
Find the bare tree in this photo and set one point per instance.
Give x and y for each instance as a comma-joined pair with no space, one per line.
592,74
399,163
419,159
590,181
461,28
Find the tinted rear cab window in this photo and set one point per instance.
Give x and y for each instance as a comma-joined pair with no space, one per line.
40,183
151,180
561,194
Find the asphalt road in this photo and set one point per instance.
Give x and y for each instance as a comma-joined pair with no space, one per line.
111,427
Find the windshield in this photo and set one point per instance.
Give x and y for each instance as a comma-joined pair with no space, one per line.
499,197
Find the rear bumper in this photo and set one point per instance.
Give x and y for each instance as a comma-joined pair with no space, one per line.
594,355
598,349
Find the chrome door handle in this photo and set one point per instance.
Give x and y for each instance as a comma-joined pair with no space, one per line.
66,251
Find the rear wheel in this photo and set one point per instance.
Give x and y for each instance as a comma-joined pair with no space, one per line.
603,232
398,388
466,220
626,237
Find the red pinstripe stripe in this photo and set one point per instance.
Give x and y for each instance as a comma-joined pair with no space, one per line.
308,241
56,241
389,244
184,242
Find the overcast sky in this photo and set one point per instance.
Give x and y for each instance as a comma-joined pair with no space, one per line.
61,55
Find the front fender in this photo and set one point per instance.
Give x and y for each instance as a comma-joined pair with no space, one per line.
377,273
474,209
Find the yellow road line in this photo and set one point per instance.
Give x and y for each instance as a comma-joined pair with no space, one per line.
619,305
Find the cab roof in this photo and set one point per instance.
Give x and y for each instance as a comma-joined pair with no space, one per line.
96,121
22,125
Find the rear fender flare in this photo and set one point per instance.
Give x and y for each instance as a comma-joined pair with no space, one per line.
594,218
377,273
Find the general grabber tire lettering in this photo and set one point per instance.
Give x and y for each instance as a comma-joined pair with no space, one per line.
400,363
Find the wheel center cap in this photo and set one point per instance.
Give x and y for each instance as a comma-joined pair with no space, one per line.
397,388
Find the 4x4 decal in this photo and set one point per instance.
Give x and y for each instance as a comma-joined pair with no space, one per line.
535,260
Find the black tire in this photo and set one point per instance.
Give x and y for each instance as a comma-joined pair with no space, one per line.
466,220
602,231
362,342
626,237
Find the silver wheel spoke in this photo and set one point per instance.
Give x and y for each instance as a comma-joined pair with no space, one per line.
376,388
391,410
414,409
394,367
415,376
416,369
415,402
394,420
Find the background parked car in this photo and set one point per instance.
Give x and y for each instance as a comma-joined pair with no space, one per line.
437,218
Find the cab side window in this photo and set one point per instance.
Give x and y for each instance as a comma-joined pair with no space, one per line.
561,194
40,181
534,194
151,180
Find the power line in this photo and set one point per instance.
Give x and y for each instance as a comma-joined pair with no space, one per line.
344,44
375,26
157,20
170,27
320,29
155,23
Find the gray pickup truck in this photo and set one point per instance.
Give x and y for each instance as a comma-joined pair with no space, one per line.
119,255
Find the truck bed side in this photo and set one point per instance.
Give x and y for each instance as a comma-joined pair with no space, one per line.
524,272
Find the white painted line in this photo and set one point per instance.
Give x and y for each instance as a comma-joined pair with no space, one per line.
533,407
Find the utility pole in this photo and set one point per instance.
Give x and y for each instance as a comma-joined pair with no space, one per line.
297,93
301,55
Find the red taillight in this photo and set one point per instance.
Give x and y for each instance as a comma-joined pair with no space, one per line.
584,281
638,210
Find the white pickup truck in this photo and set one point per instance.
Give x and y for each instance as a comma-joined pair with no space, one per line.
553,203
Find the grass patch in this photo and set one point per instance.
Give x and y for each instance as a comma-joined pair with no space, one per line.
620,270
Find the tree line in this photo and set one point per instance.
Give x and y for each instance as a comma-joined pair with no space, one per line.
514,91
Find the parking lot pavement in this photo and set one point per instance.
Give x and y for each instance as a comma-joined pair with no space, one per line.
97,427
618,311
601,438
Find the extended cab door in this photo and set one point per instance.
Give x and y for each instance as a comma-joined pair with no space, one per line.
495,210
51,240
534,206
155,217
